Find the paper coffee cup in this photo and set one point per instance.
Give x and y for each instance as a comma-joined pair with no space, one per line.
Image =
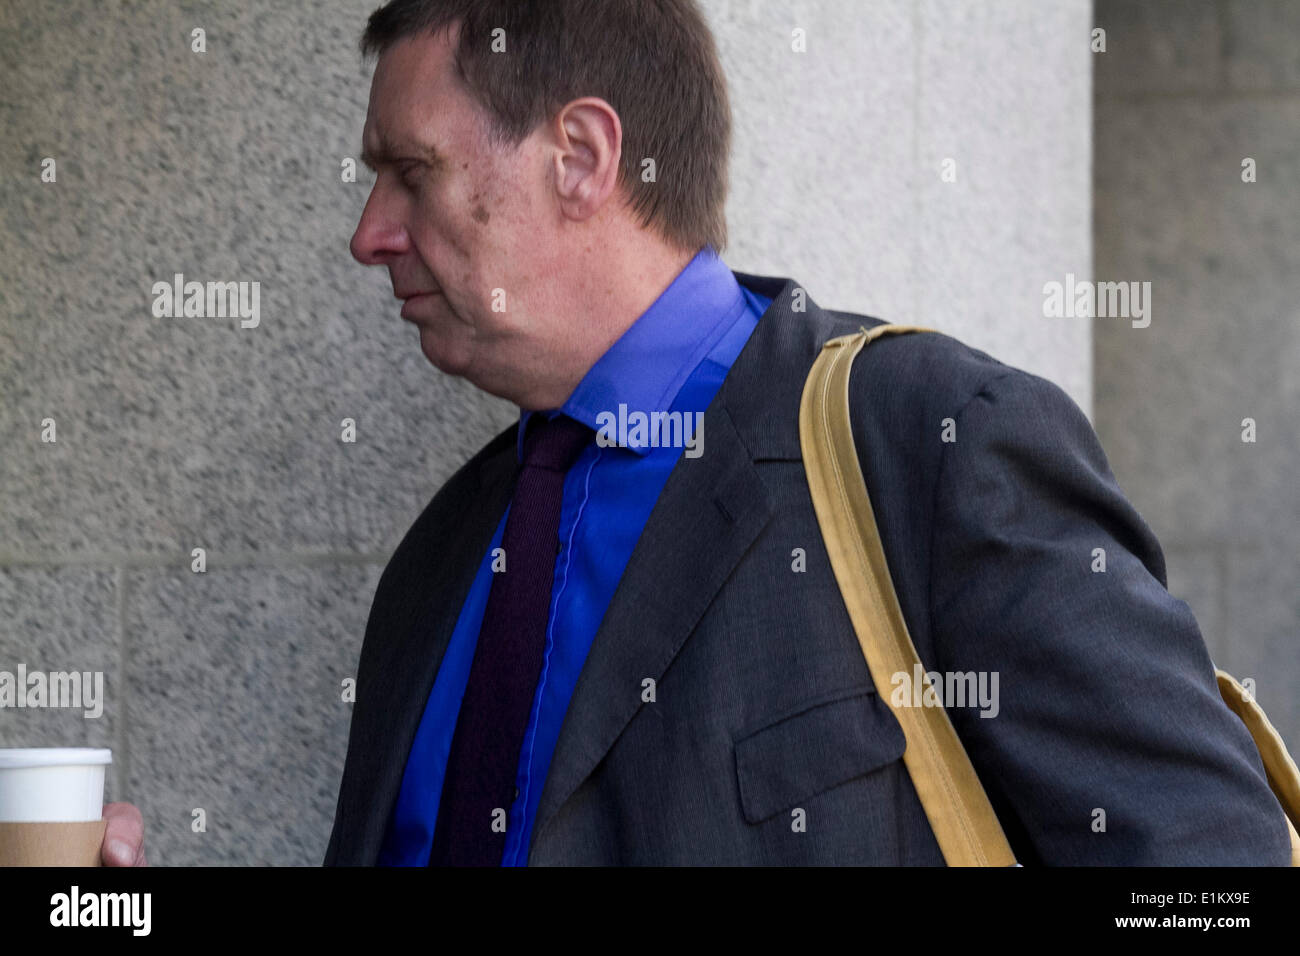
52,806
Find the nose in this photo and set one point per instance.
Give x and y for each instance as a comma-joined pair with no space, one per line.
380,235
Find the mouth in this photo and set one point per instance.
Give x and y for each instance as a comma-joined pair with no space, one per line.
413,300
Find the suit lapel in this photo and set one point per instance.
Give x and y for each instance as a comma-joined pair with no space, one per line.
410,651
709,513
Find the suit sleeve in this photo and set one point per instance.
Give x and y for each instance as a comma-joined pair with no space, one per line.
1110,744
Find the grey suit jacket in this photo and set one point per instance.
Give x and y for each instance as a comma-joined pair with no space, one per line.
767,742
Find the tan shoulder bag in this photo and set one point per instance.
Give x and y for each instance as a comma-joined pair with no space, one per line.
964,824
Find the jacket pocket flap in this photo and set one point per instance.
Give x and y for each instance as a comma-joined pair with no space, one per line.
814,749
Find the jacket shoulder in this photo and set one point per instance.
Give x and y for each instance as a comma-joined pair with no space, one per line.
918,379
450,500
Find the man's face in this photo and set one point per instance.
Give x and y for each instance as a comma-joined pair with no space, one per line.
454,218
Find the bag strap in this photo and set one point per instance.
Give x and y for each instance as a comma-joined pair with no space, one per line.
955,803
1279,768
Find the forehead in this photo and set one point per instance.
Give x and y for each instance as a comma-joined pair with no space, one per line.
417,99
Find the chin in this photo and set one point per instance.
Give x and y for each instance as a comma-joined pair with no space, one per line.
438,357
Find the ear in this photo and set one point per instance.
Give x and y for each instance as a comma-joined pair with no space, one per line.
588,148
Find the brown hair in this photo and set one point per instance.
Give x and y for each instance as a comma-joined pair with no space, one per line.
653,61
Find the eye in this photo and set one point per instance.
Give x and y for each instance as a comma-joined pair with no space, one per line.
408,171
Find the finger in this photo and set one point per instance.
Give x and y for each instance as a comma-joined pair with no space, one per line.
123,836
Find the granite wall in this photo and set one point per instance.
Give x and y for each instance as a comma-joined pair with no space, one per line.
1198,192
223,688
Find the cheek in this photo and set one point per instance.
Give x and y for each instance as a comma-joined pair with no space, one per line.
471,239
434,223
441,239
506,200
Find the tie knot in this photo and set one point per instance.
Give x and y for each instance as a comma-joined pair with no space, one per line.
554,444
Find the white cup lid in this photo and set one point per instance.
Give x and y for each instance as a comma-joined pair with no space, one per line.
53,757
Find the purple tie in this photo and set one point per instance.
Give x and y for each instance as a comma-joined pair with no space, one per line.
484,758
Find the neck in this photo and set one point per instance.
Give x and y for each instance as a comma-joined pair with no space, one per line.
613,287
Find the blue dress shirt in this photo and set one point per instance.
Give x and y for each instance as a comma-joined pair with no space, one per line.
672,359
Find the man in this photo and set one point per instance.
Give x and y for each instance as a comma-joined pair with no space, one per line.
625,645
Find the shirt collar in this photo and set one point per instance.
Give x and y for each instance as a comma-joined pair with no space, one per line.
651,361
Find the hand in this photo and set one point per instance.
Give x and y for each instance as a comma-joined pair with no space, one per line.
124,836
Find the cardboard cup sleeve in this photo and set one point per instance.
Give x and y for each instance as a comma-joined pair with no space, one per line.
51,844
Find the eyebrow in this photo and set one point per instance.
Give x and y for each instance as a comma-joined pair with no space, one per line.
388,150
